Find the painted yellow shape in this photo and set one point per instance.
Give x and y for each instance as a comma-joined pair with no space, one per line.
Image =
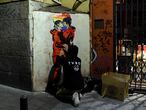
4,1
84,7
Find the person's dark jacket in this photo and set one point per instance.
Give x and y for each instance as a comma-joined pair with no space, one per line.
72,73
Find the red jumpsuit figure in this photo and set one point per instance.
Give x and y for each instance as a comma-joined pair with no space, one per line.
62,35
57,48
57,44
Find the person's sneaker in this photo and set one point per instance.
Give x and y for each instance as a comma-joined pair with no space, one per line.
75,98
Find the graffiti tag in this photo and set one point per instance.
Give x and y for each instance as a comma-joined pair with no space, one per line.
104,38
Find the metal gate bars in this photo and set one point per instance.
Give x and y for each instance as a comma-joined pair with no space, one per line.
130,41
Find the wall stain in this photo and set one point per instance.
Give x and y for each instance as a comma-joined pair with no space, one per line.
99,3
103,38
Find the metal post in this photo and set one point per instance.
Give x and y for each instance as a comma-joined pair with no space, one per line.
23,103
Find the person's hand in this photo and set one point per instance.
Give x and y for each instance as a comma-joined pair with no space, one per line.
62,53
65,47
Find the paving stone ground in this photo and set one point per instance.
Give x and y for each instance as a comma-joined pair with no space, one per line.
10,100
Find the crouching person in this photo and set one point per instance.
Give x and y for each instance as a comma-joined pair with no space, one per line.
72,78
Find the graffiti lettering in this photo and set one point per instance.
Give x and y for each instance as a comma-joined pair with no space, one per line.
103,38
108,24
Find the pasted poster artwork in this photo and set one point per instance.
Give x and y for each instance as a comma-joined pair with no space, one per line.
63,34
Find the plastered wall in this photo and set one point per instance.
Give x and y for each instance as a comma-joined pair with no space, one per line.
102,36
42,45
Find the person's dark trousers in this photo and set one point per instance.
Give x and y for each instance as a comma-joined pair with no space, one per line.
65,95
51,88
92,84
54,79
